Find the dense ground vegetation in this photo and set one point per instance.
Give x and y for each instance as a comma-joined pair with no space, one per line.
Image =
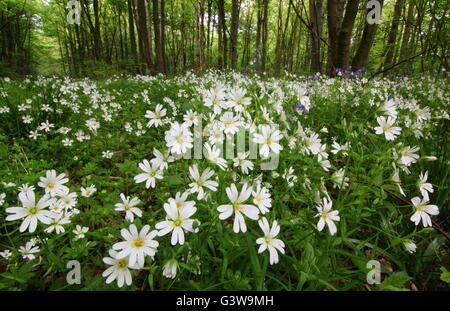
362,175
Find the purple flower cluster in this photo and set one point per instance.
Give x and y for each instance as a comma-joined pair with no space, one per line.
349,73
298,106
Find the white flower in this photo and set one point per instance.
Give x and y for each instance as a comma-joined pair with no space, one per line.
170,269
396,179
67,142
386,127
119,269
137,245
410,246
213,155
177,220
313,144
261,197
229,123
200,181
327,216
56,207
29,250
129,207
162,160
215,98
238,100
155,116
242,162
303,98
89,191
2,198
290,177
179,138
269,140
68,200
238,208
339,179
423,210
408,156
26,188
215,135
268,241
57,221
107,154
6,254
45,126
31,211
53,185
180,200
389,108
8,185
151,174
425,187
340,148
80,231
190,118
93,125
34,135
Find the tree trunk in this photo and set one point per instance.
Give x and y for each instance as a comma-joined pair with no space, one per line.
144,47
407,31
234,32
393,33
265,34
333,18
345,34
222,60
315,9
132,34
362,54
157,30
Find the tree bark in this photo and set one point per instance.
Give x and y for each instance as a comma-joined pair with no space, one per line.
315,9
362,54
159,65
345,34
393,33
234,32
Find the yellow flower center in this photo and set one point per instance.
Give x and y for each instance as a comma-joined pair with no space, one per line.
179,140
177,222
123,263
138,243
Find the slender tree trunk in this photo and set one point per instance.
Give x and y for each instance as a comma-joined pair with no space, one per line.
144,47
345,34
393,33
362,54
333,18
132,34
163,34
200,35
315,9
223,48
279,38
265,34
98,41
157,30
234,32
407,31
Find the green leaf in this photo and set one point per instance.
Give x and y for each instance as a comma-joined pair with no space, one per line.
445,275
395,282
